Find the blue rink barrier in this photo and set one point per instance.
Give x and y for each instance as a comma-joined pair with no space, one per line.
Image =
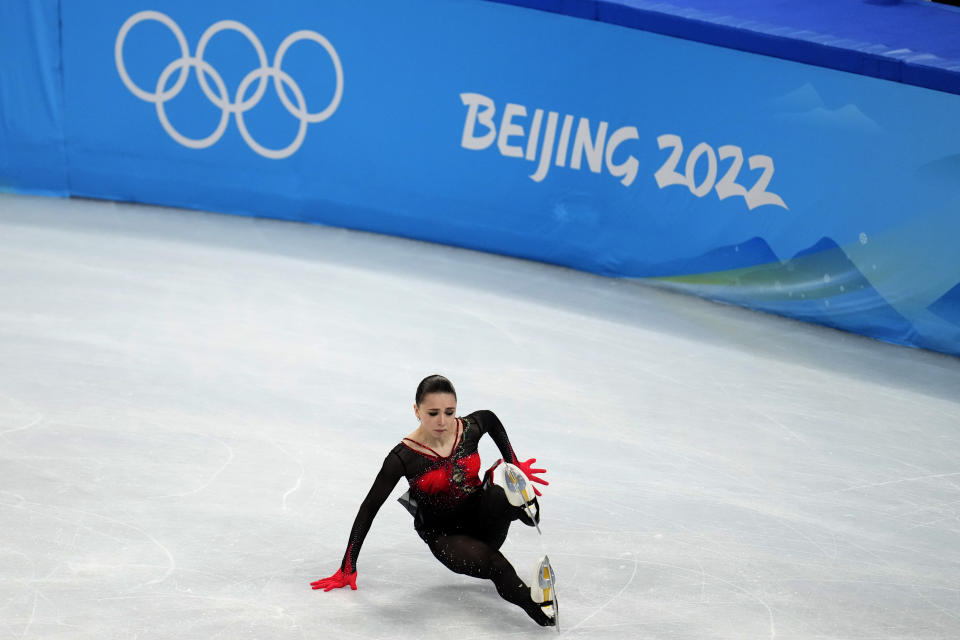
32,153
781,186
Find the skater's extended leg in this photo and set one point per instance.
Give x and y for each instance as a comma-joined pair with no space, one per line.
469,556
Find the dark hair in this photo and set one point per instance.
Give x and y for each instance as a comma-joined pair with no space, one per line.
434,384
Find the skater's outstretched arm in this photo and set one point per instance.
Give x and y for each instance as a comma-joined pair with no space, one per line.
490,424
390,473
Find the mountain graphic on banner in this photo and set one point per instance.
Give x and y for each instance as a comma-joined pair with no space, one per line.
750,253
833,291
819,284
948,306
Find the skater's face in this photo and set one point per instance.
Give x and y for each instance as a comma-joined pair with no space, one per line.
437,413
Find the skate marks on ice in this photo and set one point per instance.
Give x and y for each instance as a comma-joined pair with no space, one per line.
194,406
70,555
721,565
207,482
78,573
16,416
628,594
299,482
111,533
673,615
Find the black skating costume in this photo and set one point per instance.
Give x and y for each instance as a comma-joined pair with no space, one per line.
462,519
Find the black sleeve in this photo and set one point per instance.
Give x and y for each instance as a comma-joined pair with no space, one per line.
386,480
490,424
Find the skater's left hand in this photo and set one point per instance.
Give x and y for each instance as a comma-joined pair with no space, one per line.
530,472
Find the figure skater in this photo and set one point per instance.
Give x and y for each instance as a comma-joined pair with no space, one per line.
462,519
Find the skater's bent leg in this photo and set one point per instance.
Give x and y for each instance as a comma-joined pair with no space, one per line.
469,556
496,501
498,513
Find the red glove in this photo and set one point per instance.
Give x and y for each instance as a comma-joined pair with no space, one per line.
530,472
337,580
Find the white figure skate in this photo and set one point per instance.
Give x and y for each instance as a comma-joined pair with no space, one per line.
519,491
543,589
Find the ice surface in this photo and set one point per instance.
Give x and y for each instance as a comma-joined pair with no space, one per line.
193,405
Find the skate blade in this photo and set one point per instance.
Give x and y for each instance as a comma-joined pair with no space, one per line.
547,581
533,519
544,582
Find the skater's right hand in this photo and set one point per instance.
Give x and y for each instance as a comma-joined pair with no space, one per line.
336,581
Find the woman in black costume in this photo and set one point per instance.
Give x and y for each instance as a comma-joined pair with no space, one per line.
462,519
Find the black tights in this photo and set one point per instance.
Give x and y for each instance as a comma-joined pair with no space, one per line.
475,551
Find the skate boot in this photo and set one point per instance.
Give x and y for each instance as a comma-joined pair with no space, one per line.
519,492
543,590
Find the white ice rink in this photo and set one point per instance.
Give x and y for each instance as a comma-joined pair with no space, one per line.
192,407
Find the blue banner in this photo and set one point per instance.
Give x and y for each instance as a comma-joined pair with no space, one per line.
32,155
789,188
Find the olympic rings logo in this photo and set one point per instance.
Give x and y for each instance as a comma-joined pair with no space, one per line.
240,104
